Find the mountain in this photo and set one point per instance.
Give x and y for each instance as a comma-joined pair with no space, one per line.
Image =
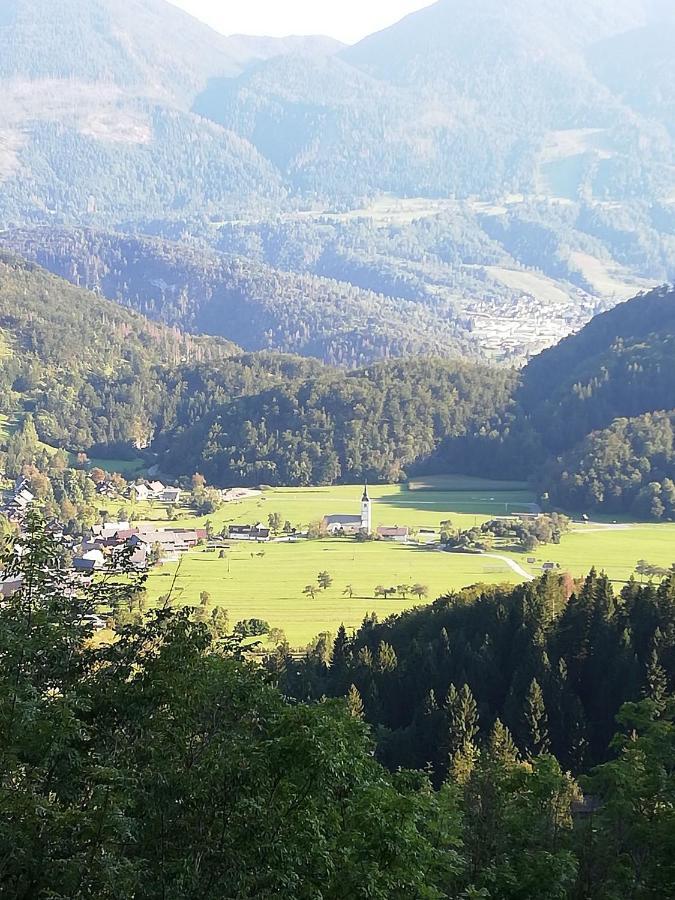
497,174
98,378
250,303
621,365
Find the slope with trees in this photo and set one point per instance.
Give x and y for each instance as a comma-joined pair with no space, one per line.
164,764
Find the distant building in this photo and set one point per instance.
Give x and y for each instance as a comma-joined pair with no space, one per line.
91,561
157,491
10,585
140,492
366,512
398,533
169,495
257,533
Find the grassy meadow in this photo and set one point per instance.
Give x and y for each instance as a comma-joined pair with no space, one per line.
267,581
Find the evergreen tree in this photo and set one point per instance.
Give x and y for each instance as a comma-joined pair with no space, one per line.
535,721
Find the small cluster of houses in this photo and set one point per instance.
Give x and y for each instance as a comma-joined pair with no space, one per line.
156,491
17,501
141,543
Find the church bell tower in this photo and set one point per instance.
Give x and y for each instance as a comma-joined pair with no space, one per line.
366,512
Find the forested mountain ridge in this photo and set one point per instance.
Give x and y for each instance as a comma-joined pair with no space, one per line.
370,424
97,377
622,364
245,300
94,375
605,400
500,174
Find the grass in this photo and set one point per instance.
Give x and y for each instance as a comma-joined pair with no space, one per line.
615,551
271,586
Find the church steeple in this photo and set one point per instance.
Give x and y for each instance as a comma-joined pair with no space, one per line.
366,512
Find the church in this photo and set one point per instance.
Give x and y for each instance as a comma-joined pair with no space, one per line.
345,524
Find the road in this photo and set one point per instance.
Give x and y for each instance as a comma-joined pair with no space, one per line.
511,563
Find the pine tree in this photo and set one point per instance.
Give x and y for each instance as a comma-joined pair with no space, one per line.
656,682
386,657
536,720
501,745
462,719
355,703
341,650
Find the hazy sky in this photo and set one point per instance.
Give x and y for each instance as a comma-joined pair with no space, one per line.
348,20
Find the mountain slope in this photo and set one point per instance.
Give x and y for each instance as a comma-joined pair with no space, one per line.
251,304
99,378
622,364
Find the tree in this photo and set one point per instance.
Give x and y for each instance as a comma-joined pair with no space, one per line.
420,591
274,522
355,703
536,720
325,580
656,682
631,850
219,623
205,599
403,590
386,657
198,483
310,590
251,628
348,592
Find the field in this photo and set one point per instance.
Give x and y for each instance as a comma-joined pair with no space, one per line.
270,586
267,581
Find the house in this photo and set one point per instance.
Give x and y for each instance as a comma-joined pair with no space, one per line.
169,495
249,533
158,491
96,622
398,533
191,536
140,492
112,534
110,529
10,584
91,561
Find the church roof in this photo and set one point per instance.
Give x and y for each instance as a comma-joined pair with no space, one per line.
365,494
342,520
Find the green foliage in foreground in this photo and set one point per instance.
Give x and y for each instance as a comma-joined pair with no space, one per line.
165,765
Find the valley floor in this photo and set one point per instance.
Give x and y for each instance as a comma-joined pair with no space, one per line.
267,580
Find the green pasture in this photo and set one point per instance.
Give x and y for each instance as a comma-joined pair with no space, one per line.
271,586
614,550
